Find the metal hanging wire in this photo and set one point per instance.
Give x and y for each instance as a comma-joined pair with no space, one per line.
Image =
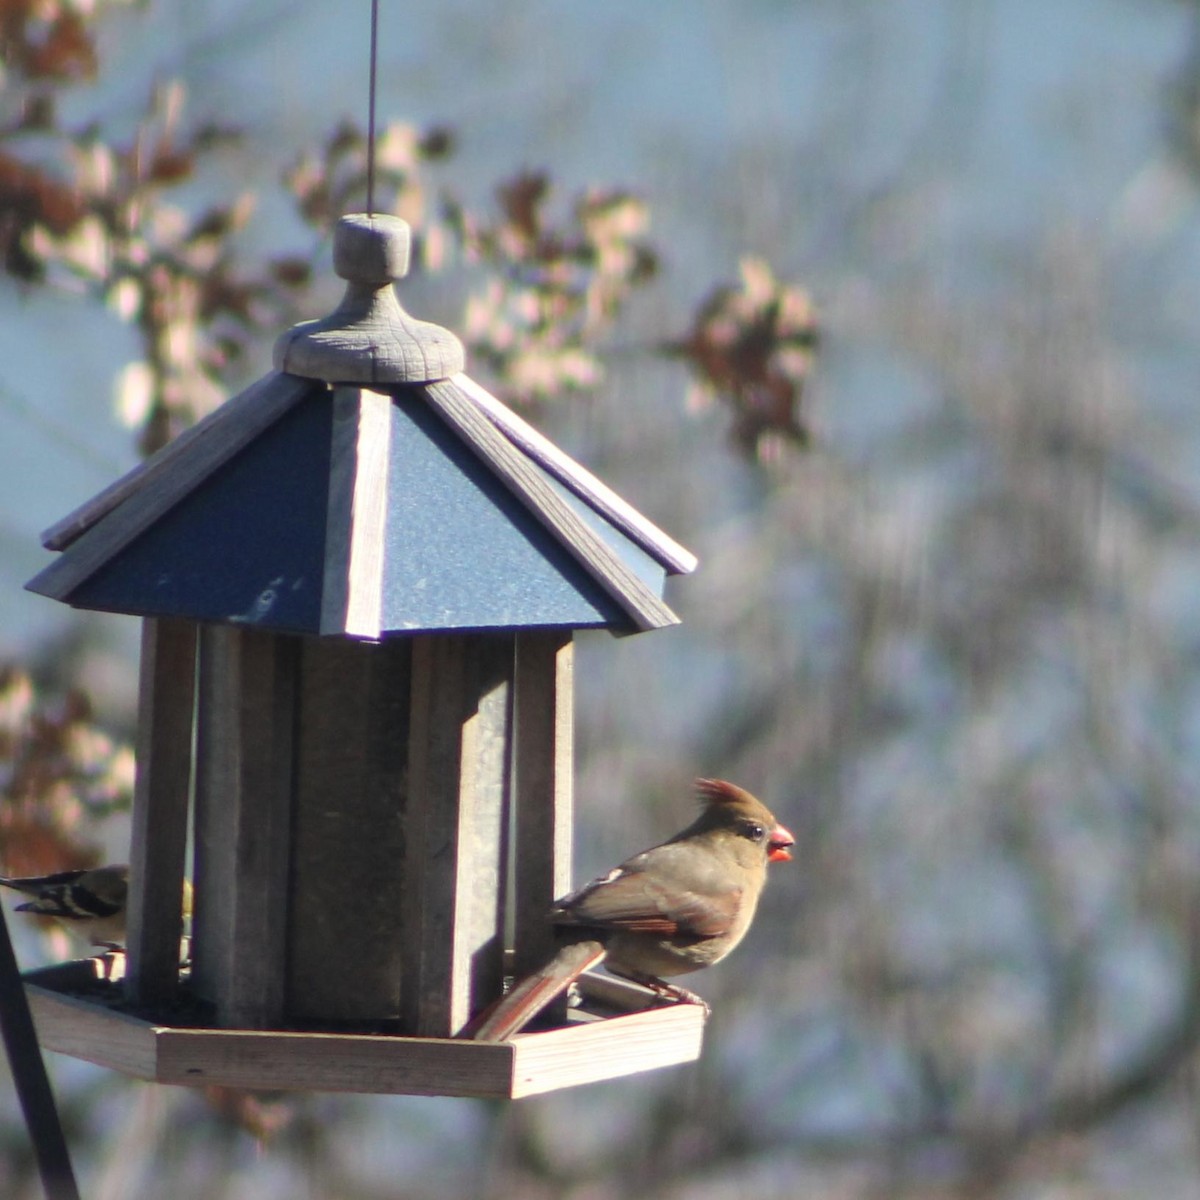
371,110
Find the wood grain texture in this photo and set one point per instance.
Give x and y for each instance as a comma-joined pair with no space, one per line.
344,960
158,844
543,778
153,486
617,1046
456,829
371,247
462,414
339,517
92,1032
580,480
352,595
333,1063
244,769
530,1064
369,338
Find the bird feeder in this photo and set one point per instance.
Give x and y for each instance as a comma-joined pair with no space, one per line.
359,581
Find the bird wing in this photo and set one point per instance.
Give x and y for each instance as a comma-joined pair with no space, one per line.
78,895
34,885
657,892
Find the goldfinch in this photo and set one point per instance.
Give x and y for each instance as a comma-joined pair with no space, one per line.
88,903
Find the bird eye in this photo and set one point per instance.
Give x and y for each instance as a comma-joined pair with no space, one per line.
754,831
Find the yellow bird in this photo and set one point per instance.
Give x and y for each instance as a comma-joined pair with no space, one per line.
89,903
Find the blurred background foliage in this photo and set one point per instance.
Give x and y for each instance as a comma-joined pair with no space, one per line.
945,620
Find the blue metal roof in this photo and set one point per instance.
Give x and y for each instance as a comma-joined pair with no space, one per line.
250,541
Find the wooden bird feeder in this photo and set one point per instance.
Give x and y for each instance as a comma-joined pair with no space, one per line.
359,580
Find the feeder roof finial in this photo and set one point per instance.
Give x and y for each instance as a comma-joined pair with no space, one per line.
371,249
369,338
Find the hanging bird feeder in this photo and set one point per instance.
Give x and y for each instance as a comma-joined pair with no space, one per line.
359,581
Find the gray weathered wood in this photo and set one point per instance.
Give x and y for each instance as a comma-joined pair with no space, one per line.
111,520
617,1046
352,596
333,1063
525,480
94,1033
343,961
580,480
246,702
369,338
532,1063
543,771
158,848
456,829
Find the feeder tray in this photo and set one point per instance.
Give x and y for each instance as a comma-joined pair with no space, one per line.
607,1036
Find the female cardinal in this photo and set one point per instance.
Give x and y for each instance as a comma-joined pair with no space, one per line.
672,909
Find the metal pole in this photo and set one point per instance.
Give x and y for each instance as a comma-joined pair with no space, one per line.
29,1075
371,110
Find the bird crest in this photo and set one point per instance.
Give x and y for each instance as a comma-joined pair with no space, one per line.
717,791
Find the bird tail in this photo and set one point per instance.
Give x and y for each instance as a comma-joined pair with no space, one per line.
33,885
529,996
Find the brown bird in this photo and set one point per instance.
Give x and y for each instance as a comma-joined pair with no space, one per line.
675,908
89,903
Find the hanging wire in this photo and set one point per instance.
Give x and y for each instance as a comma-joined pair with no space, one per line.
371,111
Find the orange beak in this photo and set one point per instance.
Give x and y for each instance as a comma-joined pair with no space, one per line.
778,848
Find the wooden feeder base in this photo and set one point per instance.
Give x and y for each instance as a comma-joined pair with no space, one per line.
588,1049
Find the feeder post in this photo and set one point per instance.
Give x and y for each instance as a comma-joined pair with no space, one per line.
166,708
245,710
543,772
344,953
456,834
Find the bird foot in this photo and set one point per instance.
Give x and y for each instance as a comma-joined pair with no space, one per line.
670,993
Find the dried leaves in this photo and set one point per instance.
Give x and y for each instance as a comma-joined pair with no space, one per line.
31,197
94,215
47,39
554,288
332,180
752,346
171,274
44,46
59,773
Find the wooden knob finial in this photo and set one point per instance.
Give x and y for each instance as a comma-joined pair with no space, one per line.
369,338
371,249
